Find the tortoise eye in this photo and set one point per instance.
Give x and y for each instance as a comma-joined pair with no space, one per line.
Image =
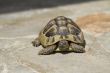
51,32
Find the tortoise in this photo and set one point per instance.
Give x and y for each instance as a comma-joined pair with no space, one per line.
60,34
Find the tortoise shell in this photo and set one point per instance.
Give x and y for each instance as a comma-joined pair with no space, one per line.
60,28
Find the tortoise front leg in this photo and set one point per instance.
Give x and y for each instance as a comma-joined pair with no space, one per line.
48,50
36,42
77,48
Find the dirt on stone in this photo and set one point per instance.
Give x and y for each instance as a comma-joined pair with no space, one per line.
99,22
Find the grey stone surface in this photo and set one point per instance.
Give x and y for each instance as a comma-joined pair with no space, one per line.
17,30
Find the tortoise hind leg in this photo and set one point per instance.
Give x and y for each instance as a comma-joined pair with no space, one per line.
77,48
48,50
36,42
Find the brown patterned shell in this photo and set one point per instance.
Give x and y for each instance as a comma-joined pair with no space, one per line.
50,34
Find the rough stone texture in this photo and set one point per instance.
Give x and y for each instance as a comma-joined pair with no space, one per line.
17,30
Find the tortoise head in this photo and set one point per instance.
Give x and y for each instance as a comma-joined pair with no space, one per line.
63,45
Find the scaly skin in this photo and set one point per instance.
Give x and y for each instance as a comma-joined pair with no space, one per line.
48,50
77,48
36,42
